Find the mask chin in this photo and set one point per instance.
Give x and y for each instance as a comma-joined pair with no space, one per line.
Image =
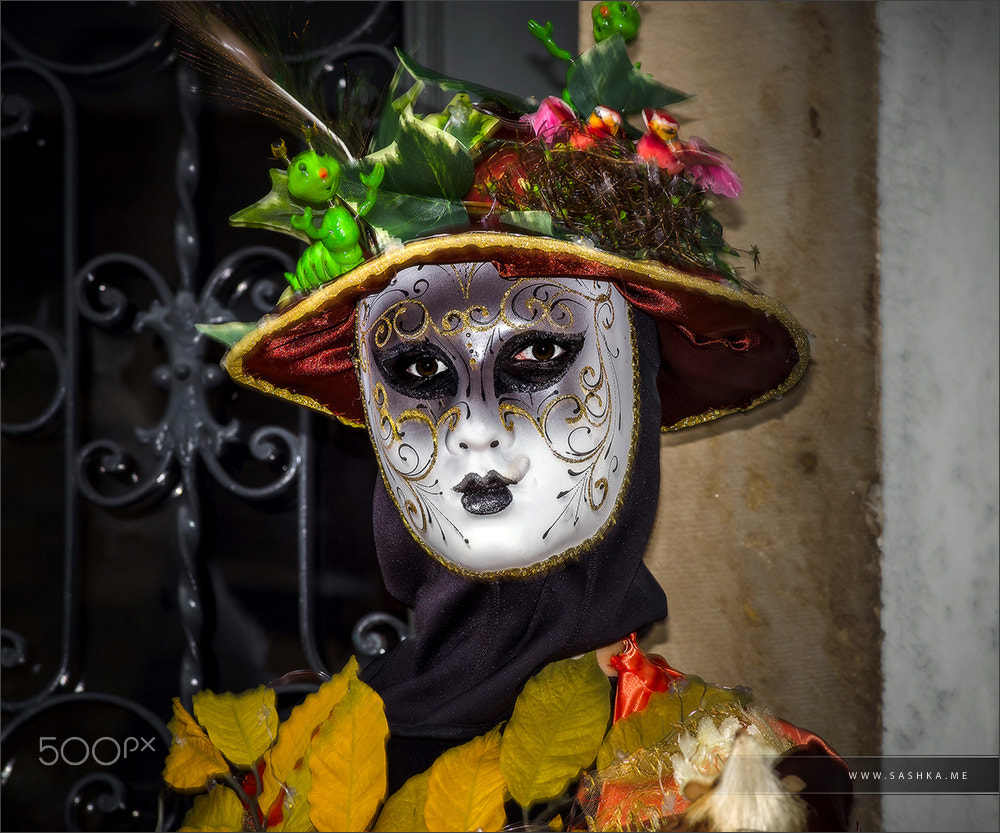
502,411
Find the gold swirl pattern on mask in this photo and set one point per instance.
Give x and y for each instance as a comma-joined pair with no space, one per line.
409,493
555,311
392,322
588,420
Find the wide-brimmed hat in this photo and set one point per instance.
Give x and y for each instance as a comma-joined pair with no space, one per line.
724,347
564,188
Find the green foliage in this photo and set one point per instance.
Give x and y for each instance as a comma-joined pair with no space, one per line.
325,765
605,75
425,161
273,211
558,724
227,333
664,713
444,82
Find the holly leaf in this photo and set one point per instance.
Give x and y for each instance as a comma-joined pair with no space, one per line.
463,121
227,333
465,788
557,726
220,810
296,734
348,762
424,161
404,810
402,217
192,760
444,82
242,726
663,714
427,173
537,222
605,74
388,122
273,211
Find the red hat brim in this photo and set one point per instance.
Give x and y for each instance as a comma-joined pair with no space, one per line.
724,347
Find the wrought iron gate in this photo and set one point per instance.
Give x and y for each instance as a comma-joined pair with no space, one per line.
162,530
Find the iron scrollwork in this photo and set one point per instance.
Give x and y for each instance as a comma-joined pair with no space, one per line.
151,467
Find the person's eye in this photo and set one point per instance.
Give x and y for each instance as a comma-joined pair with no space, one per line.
540,351
426,367
421,372
532,362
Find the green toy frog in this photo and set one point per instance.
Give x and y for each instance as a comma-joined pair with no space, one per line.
608,18
313,179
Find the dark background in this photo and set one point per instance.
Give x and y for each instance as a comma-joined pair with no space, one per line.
108,164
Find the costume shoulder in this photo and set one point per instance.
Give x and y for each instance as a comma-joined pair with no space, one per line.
684,754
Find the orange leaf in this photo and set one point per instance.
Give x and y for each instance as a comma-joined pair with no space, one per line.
348,763
295,735
193,760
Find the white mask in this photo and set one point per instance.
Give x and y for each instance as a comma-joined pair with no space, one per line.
502,410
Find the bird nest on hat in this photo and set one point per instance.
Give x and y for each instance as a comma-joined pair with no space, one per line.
607,194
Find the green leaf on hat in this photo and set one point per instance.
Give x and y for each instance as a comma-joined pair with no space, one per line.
403,217
388,121
430,76
424,161
534,222
273,211
226,334
605,75
537,222
463,121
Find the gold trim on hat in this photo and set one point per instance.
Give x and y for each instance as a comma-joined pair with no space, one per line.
374,274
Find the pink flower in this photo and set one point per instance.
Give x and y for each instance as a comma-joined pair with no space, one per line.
553,121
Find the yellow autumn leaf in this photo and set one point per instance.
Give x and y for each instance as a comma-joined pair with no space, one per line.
296,733
465,788
348,762
219,810
192,760
242,726
295,807
662,716
404,810
558,724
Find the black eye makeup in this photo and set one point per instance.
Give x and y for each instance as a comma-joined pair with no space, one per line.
420,371
531,361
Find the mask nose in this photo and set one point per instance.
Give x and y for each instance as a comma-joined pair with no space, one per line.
479,430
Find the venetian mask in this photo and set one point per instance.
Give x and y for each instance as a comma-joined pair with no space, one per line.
502,410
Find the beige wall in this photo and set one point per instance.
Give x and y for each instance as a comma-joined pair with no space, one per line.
767,535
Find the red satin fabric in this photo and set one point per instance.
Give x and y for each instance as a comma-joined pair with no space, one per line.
315,358
639,676
716,354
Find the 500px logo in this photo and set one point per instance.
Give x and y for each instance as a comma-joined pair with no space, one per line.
75,751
